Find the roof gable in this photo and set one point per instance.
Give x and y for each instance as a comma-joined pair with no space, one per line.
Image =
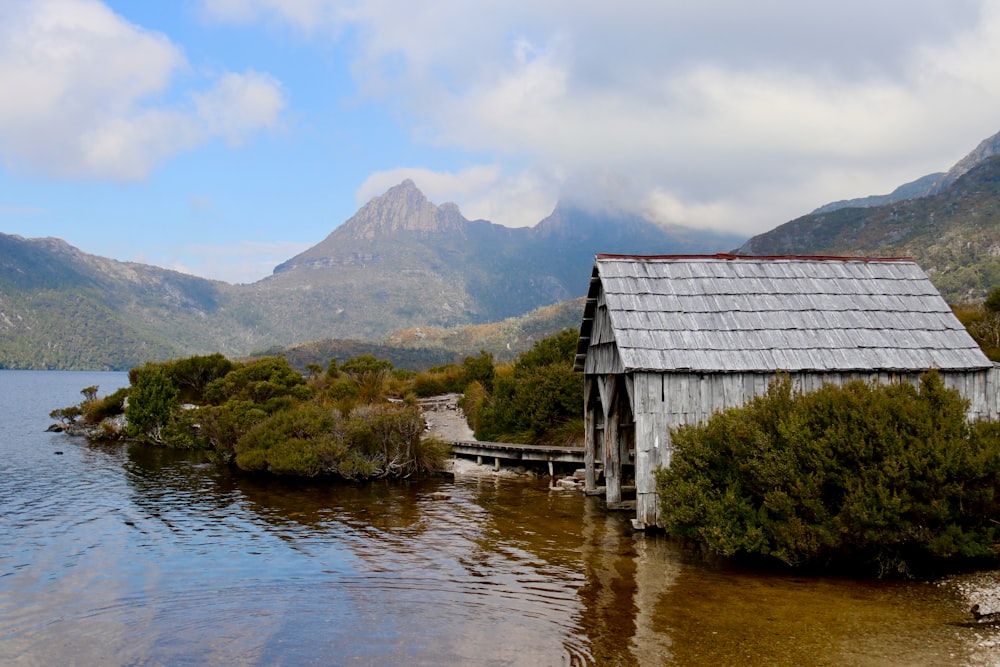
727,313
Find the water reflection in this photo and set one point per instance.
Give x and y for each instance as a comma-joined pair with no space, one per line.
134,555
511,573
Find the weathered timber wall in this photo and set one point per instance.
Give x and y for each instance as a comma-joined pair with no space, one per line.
662,401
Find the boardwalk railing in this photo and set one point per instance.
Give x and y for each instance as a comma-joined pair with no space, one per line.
514,452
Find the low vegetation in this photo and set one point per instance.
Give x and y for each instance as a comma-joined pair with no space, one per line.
358,419
263,416
982,321
886,479
537,400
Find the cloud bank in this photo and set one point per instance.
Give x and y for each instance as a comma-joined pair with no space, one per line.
725,114
90,95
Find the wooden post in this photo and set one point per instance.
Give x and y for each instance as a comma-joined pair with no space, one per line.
613,467
590,479
612,448
552,470
496,463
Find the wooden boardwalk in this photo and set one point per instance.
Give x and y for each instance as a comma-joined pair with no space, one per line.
505,451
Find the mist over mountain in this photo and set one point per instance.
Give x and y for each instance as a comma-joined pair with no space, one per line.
402,260
407,272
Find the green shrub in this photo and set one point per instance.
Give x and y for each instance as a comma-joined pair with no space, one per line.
192,375
535,400
67,415
888,479
264,416
258,381
183,431
480,369
386,435
152,401
222,426
531,404
369,375
97,410
472,403
429,454
302,442
308,440
450,379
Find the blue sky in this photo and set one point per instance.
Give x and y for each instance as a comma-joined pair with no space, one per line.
221,137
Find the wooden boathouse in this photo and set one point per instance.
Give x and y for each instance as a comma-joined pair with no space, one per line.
670,340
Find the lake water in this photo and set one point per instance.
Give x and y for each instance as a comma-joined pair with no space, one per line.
128,555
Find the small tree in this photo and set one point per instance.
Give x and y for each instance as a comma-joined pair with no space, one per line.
992,302
67,415
480,369
152,401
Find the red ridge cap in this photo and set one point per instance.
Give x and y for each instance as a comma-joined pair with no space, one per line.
732,257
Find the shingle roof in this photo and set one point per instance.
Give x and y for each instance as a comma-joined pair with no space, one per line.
729,313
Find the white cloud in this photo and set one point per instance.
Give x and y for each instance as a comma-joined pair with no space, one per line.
755,112
86,94
240,104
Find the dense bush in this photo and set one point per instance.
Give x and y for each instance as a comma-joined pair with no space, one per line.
983,323
480,369
293,442
373,441
258,381
265,416
889,479
450,379
97,410
535,400
192,375
152,402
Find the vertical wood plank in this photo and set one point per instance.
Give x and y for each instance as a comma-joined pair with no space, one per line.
589,423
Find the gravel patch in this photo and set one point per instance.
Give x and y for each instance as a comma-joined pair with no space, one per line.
981,591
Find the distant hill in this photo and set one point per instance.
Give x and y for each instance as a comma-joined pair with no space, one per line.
420,348
62,308
953,233
400,263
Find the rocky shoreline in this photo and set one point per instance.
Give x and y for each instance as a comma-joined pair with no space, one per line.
980,591
113,428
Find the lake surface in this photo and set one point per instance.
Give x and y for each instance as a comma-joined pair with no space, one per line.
128,555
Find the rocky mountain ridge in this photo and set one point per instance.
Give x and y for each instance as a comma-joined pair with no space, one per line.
400,262
931,184
402,267
954,234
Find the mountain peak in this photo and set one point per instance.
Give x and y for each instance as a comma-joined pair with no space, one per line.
403,208
986,149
